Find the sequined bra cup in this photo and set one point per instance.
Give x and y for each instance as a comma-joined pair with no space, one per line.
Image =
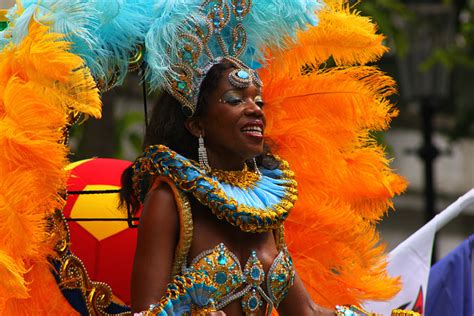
233,282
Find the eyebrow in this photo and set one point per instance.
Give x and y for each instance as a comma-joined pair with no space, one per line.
259,91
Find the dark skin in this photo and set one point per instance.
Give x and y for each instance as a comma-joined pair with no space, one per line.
229,144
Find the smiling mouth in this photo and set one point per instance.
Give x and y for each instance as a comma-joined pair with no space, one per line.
253,131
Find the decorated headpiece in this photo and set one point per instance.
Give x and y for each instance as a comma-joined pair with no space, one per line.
192,36
214,35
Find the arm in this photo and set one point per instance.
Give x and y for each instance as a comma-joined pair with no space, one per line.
298,302
157,239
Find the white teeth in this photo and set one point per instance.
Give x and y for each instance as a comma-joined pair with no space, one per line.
253,129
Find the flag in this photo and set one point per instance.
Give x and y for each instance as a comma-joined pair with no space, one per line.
411,260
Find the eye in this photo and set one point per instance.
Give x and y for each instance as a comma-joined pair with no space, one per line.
259,101
232,99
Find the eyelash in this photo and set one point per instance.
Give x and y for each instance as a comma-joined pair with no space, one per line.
260,103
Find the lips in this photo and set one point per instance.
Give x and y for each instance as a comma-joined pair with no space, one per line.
254,128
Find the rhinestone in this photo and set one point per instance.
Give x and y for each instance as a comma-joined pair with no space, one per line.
222,259
281,277
243,74
181,85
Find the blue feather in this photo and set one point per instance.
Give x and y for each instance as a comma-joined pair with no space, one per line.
103,32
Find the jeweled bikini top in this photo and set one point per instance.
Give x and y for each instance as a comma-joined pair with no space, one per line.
261,206
232,283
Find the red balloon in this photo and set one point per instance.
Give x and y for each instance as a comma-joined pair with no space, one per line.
105,247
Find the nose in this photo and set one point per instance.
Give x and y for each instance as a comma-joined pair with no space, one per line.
252,109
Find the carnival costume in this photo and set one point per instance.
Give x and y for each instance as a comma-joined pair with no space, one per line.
323,103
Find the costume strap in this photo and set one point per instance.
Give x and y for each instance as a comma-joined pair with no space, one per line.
185,223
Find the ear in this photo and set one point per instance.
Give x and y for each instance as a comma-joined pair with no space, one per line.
194,126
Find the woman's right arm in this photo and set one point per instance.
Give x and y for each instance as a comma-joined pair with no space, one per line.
158,234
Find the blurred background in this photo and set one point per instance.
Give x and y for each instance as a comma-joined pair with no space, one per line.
432,141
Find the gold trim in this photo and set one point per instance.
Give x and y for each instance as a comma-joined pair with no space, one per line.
279,236
185,224
243,179
73,274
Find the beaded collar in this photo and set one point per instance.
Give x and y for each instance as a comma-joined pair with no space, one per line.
261,207
243,179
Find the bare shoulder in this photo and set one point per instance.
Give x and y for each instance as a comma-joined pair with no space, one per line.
159,206
158,232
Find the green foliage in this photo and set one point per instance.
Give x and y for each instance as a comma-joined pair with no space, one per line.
384,13
129,132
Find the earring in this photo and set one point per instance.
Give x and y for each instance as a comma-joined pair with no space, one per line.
255,167
202,154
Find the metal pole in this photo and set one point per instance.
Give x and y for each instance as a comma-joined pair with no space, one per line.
428,153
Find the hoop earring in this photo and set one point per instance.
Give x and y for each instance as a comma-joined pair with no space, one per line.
255,167
202,154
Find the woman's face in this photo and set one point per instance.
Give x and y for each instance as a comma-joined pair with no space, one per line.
233,124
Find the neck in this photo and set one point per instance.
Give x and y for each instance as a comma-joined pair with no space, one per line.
225,162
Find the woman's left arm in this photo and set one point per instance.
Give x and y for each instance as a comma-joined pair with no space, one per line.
298,302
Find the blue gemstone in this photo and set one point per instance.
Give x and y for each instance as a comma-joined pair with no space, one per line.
255,273
235,279
221,277
188,56
253,303
181,85
222,259
281,277
243,74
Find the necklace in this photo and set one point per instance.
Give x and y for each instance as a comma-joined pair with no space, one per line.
254,209
244,179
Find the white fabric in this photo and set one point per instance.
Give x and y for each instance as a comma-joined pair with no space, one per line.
411,260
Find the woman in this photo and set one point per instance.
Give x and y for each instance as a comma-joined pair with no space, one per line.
232,123
193,50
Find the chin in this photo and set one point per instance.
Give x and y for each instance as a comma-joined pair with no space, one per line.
253,152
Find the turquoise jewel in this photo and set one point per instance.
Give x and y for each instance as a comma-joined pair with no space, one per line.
181,85
222,259
281,277
188,56
243,74
255,273
221,277
253,303
235,279
239,9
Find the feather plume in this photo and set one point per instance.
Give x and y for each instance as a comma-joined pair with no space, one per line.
105,33
345,183
39,78
342,34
